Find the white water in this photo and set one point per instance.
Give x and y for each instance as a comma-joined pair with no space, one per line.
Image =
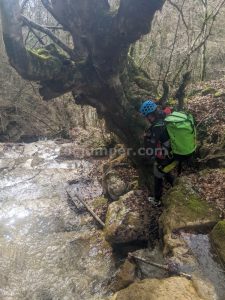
47,250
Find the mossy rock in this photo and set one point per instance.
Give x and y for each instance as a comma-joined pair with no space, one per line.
218,239
208,91
184,207
128,219
153,289
99,202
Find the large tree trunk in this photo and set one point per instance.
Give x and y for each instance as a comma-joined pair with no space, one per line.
98,70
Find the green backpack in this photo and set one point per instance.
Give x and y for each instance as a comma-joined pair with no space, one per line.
182,132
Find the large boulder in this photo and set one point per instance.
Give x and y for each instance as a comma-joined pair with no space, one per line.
128,219
153,289
119,177
114,185
218,239
185,208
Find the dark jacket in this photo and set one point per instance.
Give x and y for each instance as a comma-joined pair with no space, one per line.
157,141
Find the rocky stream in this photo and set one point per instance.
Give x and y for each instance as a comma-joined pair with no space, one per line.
51,249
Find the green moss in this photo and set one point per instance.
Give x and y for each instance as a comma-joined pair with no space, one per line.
218,238
42,53
188,203
99,202
219,94
219,230
197,206
208,90
172,101
43,62
184,207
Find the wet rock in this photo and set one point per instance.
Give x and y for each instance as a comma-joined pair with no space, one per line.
124,277
128,219
218,239
113,185
185,208
153,289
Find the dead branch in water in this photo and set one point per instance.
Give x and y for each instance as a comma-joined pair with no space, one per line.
163,267
91,212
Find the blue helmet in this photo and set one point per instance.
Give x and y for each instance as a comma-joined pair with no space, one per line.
148,107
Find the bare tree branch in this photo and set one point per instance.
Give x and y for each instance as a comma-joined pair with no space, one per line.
55,27
195,47
174,43
37,36
180,10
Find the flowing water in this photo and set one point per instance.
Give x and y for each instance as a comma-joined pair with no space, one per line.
47,250
209,266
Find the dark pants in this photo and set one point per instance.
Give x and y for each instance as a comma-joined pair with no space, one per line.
159,177
158,185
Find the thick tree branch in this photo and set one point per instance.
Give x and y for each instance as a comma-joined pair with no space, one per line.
48,32
83,19
48,66
134,17
40,40
100,76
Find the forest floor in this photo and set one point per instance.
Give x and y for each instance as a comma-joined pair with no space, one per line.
211,187
206,101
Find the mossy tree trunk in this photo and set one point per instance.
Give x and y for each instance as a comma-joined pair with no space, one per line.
98,70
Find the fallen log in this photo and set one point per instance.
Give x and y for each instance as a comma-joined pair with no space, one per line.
163,267
91,212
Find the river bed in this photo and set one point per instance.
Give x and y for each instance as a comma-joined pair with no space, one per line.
47,250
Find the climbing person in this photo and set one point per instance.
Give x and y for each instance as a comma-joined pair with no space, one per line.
170,140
